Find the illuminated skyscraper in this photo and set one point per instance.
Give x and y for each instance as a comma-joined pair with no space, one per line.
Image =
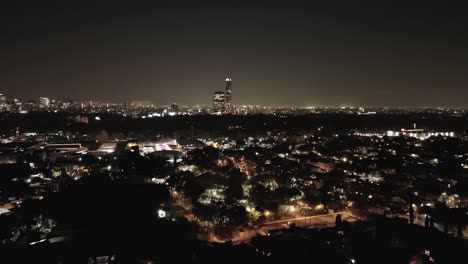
175,108
228,96
3,102
2,99
44,102
218,101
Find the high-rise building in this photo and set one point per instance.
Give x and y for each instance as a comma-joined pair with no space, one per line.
175,108
2,99
44,102
218,101
3,102
228,96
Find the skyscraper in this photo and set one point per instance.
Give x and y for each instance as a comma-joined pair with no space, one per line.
44,102
218,101
175,108
228,96
3,102
2,99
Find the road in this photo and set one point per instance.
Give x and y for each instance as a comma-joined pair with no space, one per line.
325,217
315,221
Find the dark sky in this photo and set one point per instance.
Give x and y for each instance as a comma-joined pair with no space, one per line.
289,54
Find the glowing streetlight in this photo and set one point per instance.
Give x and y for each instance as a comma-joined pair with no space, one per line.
161,213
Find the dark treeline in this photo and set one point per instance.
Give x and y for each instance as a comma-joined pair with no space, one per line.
42,122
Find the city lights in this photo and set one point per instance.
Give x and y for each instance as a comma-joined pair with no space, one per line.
233,133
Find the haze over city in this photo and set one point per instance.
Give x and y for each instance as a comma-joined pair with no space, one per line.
277,55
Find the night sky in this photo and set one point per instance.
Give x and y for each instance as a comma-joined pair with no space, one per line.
298,55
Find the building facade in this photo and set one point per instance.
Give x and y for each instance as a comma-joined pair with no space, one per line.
3,102
228,96
218,101
44,102
2,99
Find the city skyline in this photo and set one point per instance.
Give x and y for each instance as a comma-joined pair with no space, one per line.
277,55
209,103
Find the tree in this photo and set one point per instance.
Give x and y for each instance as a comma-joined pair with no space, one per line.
103,136
426,221
7,223
460,219
459,230
177,179
204,212
234,191
338,221
312,196
411,214
204,158
118,135
193,189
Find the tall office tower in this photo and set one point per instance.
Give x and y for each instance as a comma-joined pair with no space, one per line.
228,96
218,101
3,102
2,99
44,102
175,108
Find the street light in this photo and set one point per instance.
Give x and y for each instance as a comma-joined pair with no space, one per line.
161,213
